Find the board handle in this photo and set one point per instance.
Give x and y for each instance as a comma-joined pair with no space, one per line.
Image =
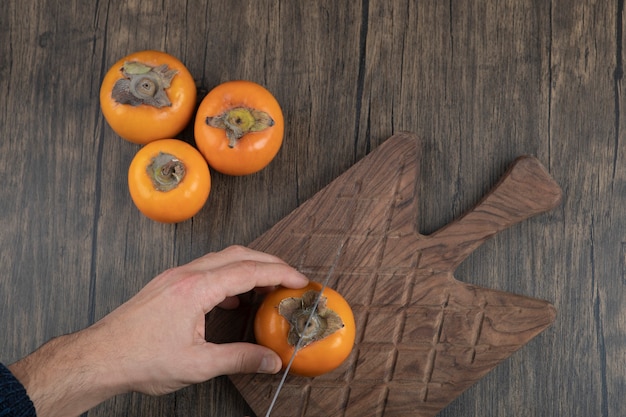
525,190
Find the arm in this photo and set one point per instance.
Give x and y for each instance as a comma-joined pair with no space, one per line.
155,342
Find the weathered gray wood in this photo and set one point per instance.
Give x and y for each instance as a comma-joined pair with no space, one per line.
480,82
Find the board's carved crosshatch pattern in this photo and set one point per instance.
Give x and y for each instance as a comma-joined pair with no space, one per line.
422,336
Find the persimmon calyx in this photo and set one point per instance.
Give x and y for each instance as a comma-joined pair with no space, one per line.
239,121
143,84
297,311
165,171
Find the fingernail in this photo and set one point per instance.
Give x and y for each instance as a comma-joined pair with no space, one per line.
269,365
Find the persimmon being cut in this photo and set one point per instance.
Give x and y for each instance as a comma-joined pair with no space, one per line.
328,338
169,180
239,127
148,95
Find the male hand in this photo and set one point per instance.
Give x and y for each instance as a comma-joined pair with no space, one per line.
155,342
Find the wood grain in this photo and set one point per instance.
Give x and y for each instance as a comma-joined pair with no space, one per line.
423,337
479,82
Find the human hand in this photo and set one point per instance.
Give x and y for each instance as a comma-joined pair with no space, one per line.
155,342
160,333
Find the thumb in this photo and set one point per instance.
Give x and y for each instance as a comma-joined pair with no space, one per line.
243,358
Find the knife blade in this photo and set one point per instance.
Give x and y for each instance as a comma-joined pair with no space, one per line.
299,343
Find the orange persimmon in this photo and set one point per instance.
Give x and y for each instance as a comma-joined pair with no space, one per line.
328,338
239,127
148,95
169,180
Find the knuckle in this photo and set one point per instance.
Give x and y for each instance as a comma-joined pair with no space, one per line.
244,363
249,266
186,284
236,249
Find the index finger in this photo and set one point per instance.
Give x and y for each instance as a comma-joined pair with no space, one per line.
229,255
244,275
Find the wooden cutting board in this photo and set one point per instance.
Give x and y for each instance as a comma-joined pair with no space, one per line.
422,336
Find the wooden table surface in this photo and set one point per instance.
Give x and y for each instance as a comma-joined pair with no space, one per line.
481,82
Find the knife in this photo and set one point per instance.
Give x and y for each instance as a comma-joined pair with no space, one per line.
300,339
